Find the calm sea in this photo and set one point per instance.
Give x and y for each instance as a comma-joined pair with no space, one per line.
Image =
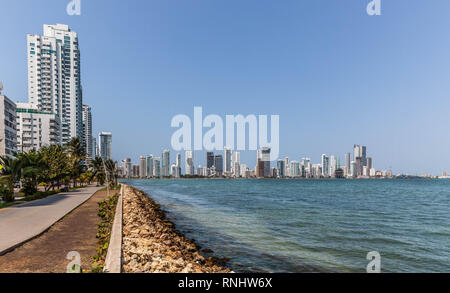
313,225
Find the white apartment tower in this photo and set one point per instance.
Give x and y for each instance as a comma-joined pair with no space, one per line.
126,167
8,127
189,163
149,166
54,84
332,166
36,129
165,170
156,167
143,167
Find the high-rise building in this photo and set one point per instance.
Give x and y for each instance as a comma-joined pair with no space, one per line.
347,164
8,126
54,77
317,171
263,163
227,160
236,169
218,163
150,166
127,168
369,163
105,145
156,167
96,151
294,169
363,155
286,166
209,160
353,169
178,166
202,171
359,166
143,167
135,173
332,167
36,129
244,170
281,168
325,163
273,172
305,170
366,171
173,170
165,171
360,152
236,163
356,152
189,163
87,132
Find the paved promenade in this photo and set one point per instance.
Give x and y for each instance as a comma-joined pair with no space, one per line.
20,223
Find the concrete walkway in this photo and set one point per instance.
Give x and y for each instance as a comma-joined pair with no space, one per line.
21,223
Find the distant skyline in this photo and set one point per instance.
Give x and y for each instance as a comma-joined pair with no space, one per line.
336,76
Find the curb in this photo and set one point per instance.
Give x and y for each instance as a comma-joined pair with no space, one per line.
113,262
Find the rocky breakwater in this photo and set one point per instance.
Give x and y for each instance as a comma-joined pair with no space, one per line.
152,245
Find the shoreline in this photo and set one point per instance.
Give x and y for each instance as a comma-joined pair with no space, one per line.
151,244
287,178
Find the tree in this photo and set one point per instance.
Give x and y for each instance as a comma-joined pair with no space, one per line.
32,166
98,170
11,173
56,168
86,177
100,178
112,171
76,153
97,165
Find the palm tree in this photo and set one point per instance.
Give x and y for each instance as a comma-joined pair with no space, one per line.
112,170
32,166
98,170
11,173
76,153
97,165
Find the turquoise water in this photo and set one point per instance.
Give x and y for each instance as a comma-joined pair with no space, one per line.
313,225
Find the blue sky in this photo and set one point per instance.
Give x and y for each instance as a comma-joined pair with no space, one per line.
335,75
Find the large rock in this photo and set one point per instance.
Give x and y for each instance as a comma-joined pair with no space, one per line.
152,245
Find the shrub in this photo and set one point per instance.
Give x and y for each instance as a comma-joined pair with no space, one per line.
107,211
6,194
40,195
29,188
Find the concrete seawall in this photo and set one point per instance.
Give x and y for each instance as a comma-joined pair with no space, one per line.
113,262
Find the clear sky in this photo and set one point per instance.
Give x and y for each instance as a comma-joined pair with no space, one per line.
335,75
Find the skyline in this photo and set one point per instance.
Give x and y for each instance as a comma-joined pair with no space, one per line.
225,69
227,163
